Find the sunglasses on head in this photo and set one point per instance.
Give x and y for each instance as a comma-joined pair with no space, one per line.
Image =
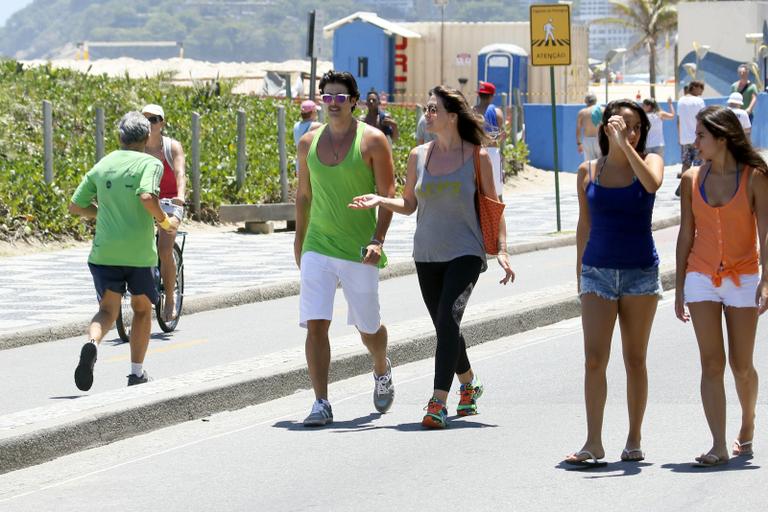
335,98
154,119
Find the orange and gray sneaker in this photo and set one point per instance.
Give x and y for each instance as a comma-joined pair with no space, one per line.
437,414
469,394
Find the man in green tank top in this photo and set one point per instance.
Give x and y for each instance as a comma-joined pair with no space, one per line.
334,244
126,184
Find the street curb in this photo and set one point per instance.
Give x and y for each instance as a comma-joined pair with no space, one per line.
123,420
256,294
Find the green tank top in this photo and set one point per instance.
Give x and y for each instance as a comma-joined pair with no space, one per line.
334,229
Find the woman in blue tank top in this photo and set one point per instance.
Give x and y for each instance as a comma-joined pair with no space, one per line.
617,268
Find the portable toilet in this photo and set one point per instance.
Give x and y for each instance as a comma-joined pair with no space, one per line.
506,67
364,44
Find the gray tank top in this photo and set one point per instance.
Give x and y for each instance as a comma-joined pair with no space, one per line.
446,220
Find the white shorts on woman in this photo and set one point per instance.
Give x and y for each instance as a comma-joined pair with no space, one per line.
699,288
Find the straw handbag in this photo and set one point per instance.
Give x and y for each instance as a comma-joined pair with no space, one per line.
489,211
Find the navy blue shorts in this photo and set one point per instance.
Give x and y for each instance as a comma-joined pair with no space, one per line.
138,280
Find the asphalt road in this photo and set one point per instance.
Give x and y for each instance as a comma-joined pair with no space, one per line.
38,375
506,458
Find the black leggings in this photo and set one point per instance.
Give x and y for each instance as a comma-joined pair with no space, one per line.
446,287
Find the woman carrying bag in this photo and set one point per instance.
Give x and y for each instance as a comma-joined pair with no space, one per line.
448,246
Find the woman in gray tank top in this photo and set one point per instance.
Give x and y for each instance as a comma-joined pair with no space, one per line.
448,244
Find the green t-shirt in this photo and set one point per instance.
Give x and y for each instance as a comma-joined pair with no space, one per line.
125,231
334,229
750,91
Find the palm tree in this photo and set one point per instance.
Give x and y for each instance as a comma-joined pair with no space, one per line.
651,19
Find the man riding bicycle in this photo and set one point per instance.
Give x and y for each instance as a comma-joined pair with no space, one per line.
172,192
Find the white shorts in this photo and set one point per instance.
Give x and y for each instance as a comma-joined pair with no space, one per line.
169,207
360,283
699,288
498,180
591,147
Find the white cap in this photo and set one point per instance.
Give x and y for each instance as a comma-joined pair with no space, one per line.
736,99
153,109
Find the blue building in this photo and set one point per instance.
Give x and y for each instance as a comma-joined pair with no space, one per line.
364,45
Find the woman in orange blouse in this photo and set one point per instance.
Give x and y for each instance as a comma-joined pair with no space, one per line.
724,211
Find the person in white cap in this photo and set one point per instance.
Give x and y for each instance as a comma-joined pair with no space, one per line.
173,187
735,101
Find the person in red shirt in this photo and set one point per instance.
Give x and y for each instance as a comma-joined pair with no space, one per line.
173,190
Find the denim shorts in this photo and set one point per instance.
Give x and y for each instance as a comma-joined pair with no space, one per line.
614,283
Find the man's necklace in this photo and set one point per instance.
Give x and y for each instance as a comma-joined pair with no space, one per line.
333,144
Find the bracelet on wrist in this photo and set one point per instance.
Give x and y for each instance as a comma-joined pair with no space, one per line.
166,223
376,241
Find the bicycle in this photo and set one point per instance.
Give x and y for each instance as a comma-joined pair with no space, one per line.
125,315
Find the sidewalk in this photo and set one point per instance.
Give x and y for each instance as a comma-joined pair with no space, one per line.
42,292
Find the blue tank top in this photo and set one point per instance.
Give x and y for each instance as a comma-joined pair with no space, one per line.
620,235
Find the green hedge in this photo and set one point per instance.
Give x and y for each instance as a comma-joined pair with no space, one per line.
29,208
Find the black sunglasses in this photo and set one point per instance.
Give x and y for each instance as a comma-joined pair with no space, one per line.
154,119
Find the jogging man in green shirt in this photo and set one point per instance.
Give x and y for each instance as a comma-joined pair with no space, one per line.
126,184
334,244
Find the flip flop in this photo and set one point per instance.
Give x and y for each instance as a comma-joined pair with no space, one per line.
742,449
627,455
709,460
591,462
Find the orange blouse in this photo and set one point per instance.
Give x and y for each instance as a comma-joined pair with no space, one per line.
725,242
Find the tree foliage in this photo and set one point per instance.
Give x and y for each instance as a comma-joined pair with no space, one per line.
651,20
31,208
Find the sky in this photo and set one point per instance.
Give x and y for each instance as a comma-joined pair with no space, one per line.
8,7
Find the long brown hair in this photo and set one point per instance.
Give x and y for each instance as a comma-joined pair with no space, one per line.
469,124
614,108
722,123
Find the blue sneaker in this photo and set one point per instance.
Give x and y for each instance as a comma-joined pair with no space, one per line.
321,414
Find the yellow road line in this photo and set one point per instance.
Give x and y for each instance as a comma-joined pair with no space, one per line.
160,350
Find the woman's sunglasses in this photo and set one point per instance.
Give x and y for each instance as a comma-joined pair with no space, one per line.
154,119
334,98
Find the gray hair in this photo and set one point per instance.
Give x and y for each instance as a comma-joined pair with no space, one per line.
133,127
590,99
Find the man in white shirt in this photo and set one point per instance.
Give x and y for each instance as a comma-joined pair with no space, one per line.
687,108
735,101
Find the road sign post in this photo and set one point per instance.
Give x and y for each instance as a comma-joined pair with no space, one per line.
550,26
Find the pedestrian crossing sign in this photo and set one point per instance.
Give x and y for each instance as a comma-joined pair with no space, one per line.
550,35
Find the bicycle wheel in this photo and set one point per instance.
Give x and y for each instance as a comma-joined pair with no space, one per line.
124,318
178,292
